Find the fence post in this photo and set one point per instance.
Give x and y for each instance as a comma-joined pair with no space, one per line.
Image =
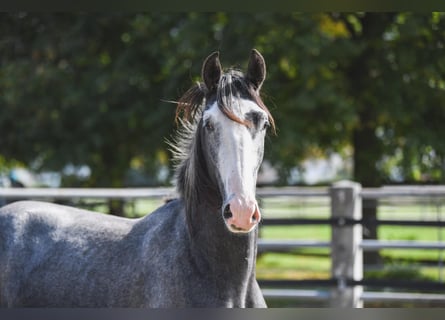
346,252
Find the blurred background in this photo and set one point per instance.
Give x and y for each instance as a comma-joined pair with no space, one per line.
355,95
85,99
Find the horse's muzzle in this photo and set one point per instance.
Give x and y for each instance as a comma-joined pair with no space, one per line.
241,215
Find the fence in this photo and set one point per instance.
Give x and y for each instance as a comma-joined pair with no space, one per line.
346,286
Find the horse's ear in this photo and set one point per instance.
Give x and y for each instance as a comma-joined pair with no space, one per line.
256,69
211,71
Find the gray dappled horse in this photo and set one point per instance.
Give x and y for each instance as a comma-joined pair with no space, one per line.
197,250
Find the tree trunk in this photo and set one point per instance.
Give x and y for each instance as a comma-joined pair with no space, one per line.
109,172
367,151
116,207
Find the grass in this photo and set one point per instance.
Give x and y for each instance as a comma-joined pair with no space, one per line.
296,232
293,266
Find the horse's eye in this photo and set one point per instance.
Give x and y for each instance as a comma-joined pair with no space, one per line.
209,126
266,125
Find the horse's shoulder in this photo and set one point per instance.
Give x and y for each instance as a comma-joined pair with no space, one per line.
167,223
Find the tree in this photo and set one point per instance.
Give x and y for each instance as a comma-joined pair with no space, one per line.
86,90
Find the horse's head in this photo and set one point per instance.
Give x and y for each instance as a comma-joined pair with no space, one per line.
233,127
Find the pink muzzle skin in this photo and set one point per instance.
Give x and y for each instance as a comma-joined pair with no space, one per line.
245,214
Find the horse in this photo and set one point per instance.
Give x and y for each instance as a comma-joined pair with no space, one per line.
196,250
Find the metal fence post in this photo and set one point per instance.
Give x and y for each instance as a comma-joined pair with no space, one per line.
346,252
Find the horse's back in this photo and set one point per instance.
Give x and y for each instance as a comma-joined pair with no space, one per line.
34,220
38,208
49,252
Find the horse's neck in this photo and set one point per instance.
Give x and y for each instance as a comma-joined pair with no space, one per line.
224,254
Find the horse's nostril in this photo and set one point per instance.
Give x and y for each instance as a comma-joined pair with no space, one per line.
227,214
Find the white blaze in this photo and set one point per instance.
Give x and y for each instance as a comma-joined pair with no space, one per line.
238,159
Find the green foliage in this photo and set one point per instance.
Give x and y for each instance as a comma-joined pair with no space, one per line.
83,89
90,88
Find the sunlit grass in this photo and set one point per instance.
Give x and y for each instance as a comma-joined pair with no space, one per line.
292,266
296,232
